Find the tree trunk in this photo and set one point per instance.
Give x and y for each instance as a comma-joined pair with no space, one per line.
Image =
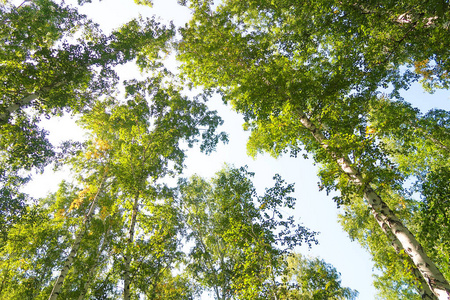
127,258
76,245
425,292
13,107
93,269
388,220
24,102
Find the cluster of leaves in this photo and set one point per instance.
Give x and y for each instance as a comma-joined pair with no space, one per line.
54,59
239,237
312,279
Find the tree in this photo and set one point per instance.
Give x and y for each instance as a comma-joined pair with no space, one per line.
313,278
116,206
32,251
23,147
53,70
134,143
285,67
418,144
138,143
56,60
239,238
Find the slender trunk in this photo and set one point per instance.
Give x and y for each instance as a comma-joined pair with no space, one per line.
24,102
127,258
5,276
425,292
76,245
388,220
430,273
15,106
93,269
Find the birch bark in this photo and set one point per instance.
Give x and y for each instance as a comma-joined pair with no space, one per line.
425,293
92,270
127,258
387,219
76,245
25,101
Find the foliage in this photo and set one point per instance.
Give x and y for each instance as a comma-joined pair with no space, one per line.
54,59
313,278
238,237
306,77
418,143
133,143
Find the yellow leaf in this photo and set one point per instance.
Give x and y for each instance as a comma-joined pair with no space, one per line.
60,214
369,131
104,212
88,155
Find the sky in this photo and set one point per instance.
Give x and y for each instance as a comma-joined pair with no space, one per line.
314,209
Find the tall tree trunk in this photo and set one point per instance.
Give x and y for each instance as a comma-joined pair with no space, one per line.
93,269
424,291
127,258
76,245
387,219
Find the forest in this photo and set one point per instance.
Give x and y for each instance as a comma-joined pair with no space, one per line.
323,80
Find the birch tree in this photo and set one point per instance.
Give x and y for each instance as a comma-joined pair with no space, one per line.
141,139
134,143
304,76
312,278
55,60
418,143
117,206
239,238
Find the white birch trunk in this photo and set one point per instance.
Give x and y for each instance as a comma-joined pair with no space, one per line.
24,102
388,220
127,258
92,270
73,252
425,292
15,106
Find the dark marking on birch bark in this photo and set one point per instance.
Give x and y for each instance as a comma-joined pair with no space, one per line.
420,248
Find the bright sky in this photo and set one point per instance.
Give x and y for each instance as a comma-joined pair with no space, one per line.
314,209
